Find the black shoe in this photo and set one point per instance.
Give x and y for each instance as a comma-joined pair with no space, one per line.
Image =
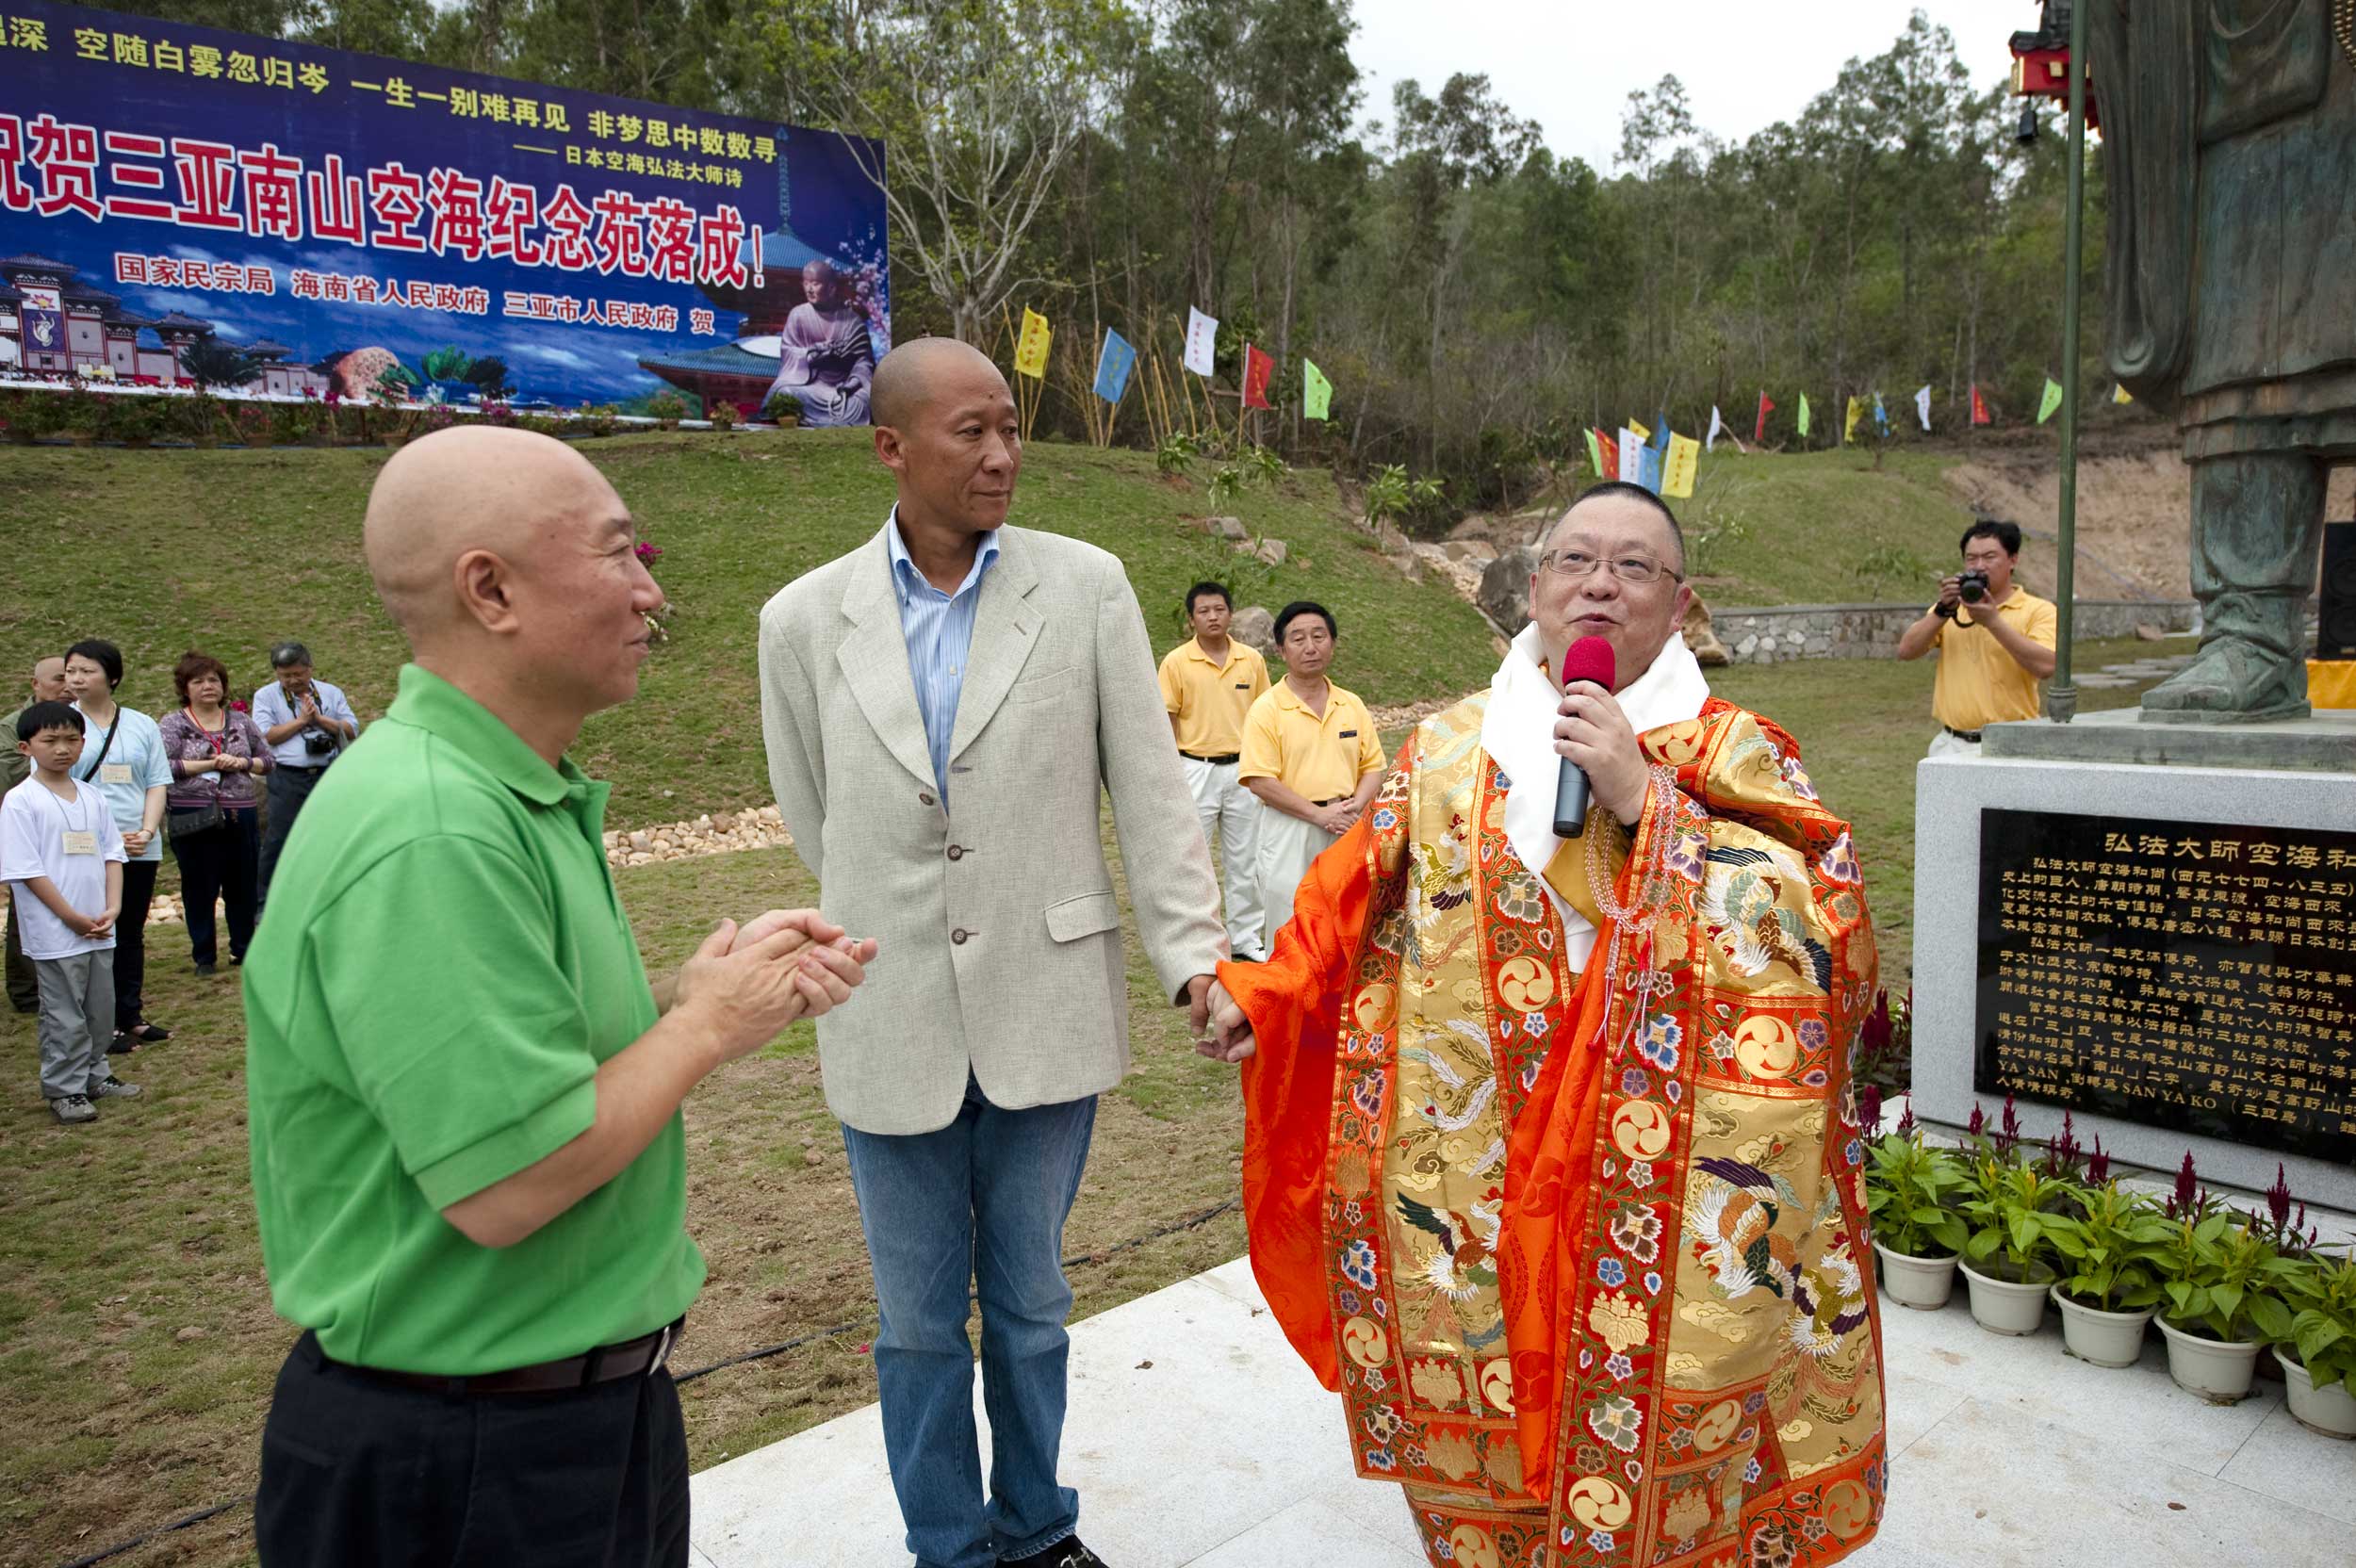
206,970
1068,1553
146,1033
122,1045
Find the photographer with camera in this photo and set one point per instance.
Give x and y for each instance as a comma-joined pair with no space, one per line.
1995,640
308,723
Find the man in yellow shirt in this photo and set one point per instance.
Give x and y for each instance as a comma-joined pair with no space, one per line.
1209,683
1311,754
1992,652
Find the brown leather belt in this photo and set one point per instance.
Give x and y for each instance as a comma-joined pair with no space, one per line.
642,1357
1215,762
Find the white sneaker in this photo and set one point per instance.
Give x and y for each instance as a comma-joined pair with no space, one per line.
112,1088
74,1107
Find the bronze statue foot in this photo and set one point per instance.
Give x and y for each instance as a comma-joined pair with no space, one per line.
2230,681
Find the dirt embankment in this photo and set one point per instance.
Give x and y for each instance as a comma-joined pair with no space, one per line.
2134,507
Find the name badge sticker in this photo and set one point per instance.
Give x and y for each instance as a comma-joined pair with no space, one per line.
81,840
114,772
1349,735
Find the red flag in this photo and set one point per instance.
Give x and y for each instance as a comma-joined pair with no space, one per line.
1257,368
1611,455
1766,406
1979,407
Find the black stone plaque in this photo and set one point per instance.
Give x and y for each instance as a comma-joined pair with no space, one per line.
2178,974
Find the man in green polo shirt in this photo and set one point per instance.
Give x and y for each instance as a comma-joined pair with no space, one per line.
468,1160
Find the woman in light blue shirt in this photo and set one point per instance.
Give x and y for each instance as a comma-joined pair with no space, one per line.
123,757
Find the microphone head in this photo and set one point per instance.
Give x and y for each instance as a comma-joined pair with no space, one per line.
1590,659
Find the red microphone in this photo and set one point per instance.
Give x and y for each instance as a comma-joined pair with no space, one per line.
1589,659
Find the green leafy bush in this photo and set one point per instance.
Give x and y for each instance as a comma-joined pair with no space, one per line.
2320,1294
1912,1190
1177,452
2111,1249
2222,1278
2011,1213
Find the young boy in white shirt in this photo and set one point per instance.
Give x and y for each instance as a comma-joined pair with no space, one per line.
62,856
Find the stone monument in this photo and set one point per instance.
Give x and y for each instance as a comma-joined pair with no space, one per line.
2147,921
2230,161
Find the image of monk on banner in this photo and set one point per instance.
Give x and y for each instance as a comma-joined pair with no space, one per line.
1551,1166
826,356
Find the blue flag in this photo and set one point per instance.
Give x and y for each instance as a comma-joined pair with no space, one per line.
1648,462
1881,415
1113,362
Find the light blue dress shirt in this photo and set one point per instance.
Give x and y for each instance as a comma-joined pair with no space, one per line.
270,709
134,765
939,630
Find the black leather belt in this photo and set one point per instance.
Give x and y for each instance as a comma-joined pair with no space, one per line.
1334,801
642,1357
1224,757
1971,735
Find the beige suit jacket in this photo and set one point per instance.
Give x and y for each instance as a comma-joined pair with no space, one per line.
1000,938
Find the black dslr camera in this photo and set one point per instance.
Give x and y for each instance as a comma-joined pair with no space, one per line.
1972,586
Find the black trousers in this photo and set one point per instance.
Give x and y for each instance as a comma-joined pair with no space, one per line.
24,986
216,865
288,789
139,891
358,1472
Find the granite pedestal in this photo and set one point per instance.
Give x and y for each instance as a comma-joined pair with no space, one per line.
2083,771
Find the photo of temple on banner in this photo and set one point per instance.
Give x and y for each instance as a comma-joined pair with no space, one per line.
183,207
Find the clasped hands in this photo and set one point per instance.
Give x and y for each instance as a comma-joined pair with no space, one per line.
753,980
1221,1032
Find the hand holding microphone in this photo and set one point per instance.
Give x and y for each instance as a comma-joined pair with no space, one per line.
1596,741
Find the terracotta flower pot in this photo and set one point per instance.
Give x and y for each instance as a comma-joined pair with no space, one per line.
2004,1306
1924,1284
2328,1410
2104,1338
2217,1370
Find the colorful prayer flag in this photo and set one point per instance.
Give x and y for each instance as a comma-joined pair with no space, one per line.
1030,354
1762,398
1257,368
1767,406
1641,433
1609,466
1881,415
1316,393
1650,460
1923,406
1201,342
1979,407
1631,456
1595,454
2052,400
1684,459
2121,394
1716,424
1848,427
1113,364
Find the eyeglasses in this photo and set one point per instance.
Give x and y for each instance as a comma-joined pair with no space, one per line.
1627,569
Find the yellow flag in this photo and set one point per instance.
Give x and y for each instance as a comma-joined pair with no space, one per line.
1685,456
1030,354
2121,394
1641,433
1857,412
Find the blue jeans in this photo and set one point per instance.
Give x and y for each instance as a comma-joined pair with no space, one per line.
980,1203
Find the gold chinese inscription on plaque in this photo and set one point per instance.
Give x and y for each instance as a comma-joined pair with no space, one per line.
2184,975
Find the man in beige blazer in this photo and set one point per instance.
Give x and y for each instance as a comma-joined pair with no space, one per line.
944,709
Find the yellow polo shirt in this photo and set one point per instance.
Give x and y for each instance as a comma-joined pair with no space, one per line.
1978,682
1321,758
1209,700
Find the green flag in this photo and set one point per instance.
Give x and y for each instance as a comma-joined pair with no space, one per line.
1316,393
1595,455
1803,416
2049,403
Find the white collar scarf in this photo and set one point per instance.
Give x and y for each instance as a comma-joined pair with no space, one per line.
1518,732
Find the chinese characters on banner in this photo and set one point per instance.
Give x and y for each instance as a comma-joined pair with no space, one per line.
1030,354
2050,402
1113,362
1979,407
1201,342
1316,393
1257,368
2178,974
1684,460
316,201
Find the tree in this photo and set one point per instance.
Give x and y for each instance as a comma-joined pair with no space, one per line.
210,362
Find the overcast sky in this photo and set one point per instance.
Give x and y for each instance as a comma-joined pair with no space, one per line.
1570,66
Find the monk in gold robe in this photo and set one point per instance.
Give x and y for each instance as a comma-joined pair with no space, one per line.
1552,1169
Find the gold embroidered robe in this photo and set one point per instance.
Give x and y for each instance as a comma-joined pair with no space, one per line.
1616,1221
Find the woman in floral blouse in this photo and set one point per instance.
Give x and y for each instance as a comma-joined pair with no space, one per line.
211,807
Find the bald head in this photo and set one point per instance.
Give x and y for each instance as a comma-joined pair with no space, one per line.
913,374
472,487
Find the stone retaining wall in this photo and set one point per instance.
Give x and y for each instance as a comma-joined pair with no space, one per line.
1765,636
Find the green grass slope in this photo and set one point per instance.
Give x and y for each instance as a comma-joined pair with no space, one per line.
1822,527
160,551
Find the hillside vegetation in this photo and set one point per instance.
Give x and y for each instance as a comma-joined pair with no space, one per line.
161,551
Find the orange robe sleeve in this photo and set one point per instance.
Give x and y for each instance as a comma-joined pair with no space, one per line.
1294,1001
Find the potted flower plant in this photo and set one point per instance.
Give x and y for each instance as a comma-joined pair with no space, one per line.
2109,1288
2318,1351
2219,1274
2011,1215
1911,1190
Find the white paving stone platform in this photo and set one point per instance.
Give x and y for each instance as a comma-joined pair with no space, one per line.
1197,1439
